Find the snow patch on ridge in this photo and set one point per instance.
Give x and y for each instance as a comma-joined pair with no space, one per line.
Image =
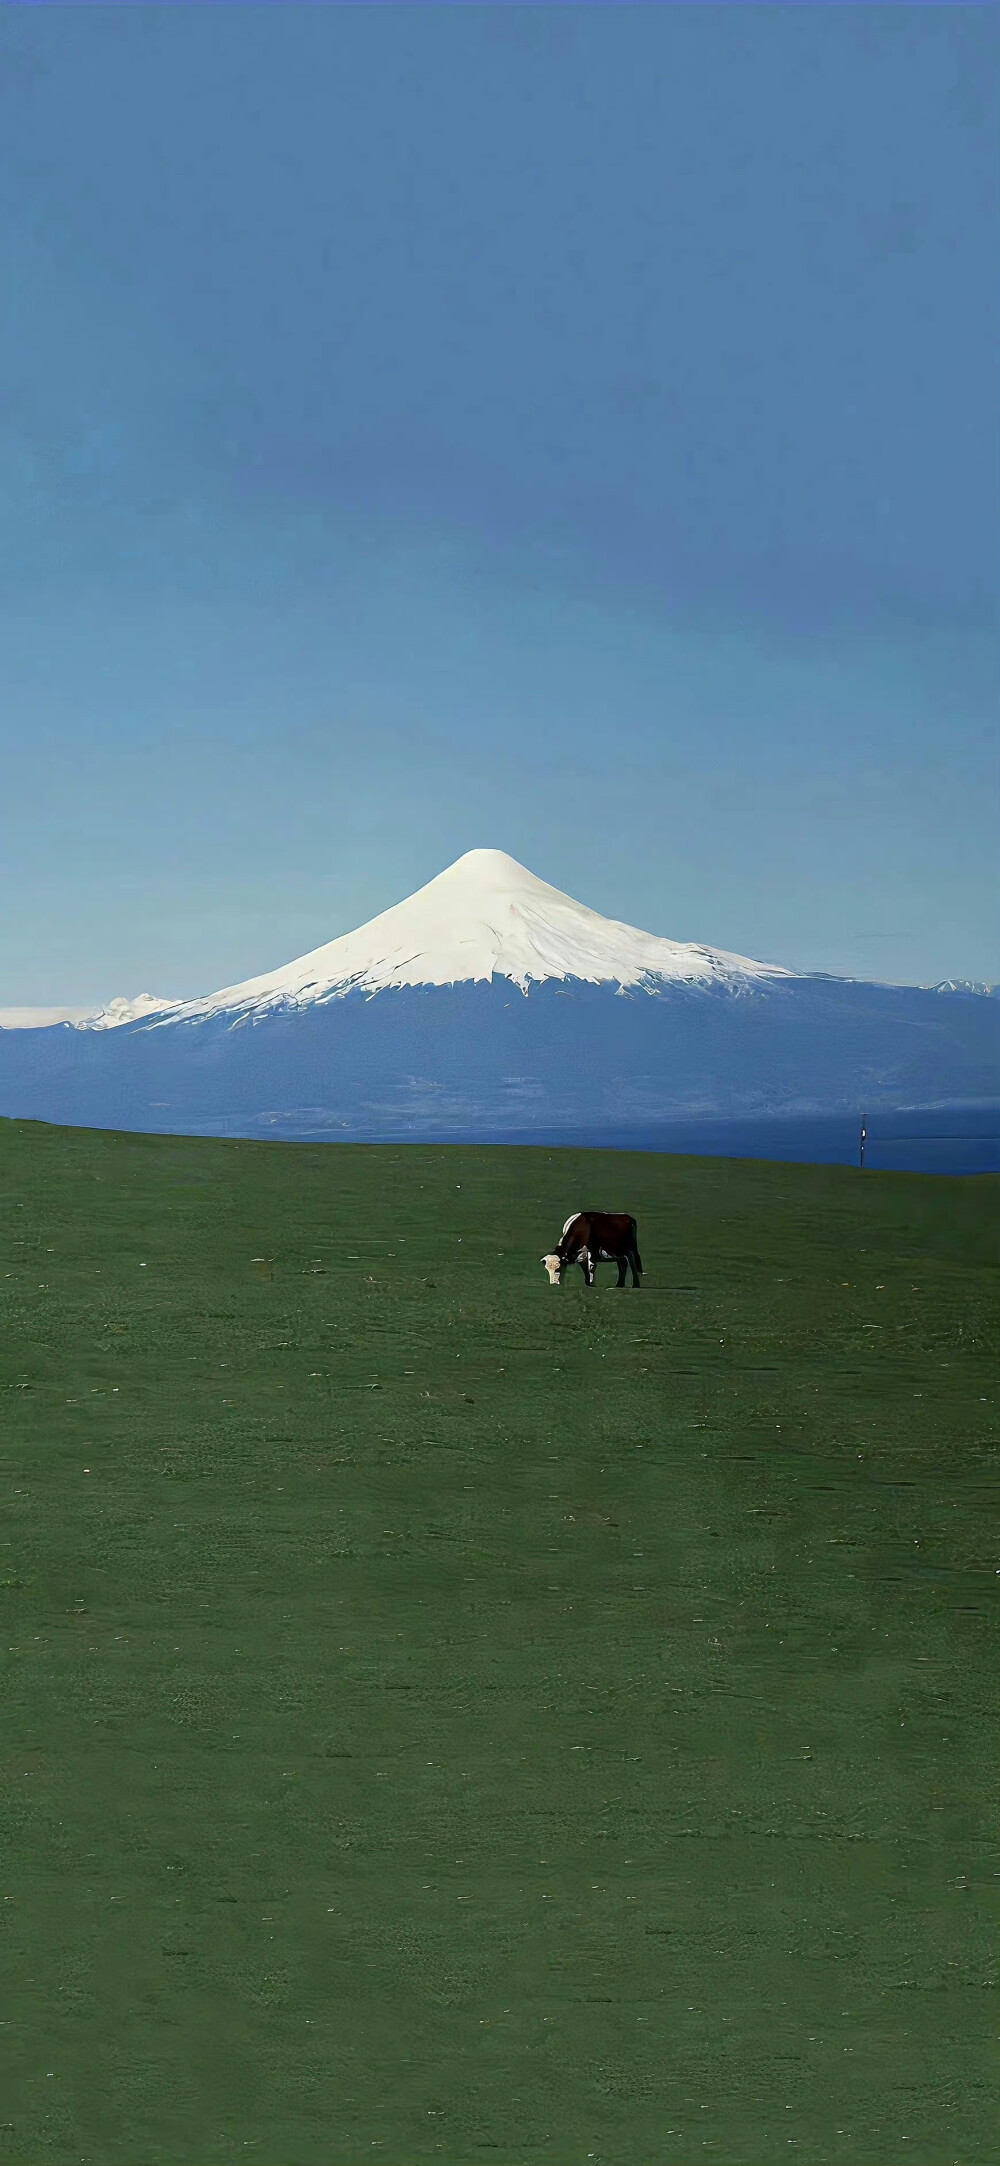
486,916
122,1011
110,1017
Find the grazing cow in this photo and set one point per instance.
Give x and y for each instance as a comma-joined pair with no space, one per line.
593,1237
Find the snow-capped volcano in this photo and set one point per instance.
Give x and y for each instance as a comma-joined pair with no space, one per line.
485,917
414,1028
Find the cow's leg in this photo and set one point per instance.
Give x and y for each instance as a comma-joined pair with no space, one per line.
635,1268
587,1267
622,1270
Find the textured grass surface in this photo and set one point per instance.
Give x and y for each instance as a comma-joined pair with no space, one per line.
452,1719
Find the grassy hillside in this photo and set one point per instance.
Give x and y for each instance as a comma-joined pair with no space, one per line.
452,1719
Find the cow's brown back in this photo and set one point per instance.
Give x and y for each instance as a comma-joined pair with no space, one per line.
612,1233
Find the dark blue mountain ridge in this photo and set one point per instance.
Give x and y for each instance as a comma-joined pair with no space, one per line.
486,1061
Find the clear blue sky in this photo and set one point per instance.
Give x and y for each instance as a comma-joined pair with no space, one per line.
568,430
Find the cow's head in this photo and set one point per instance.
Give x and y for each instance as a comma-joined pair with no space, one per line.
555,1267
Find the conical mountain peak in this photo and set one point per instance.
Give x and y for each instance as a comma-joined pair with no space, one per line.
487,865
484,916
480,876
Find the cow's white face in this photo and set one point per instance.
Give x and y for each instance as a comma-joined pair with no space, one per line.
553,1266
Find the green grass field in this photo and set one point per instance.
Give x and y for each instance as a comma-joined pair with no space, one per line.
451,1719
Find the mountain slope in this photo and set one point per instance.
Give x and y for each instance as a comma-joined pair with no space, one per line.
482,1061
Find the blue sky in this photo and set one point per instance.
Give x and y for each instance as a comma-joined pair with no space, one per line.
568,430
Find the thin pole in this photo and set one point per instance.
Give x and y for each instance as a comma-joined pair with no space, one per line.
861,1160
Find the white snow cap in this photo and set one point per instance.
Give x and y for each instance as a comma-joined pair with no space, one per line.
486,916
